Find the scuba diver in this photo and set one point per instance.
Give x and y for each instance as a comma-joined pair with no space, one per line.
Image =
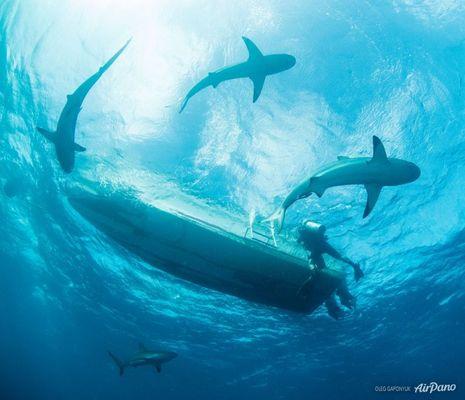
312,237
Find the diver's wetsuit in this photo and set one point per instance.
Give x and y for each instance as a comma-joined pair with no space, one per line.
317,245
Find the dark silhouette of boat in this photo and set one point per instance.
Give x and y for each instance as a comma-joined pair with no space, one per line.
207,250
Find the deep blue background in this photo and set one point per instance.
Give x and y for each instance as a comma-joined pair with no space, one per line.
68,294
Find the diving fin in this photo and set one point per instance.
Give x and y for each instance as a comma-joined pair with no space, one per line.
79,148
258,82
373,192
51,136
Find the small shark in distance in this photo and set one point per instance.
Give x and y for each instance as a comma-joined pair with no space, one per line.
256,68
64,136
373,173
144,357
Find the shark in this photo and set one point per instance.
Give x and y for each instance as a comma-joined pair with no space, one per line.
64,136
144,357
256,68
374,173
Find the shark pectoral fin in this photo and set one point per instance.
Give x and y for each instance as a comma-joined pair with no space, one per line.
258,82
79,148
379,153
51,136
373,192
158,367
118,362
254,51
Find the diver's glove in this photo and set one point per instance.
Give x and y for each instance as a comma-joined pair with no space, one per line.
358,273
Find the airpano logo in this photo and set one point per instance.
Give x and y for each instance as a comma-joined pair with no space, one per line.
422,388
435,387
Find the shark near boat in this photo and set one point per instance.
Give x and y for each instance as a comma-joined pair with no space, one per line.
373,173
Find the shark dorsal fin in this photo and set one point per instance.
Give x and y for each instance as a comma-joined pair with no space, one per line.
379,153
254,51
142,347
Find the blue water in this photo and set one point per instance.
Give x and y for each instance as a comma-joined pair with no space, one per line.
68,294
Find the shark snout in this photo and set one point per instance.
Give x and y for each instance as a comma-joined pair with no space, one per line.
289,61
414,172
171,355
279,62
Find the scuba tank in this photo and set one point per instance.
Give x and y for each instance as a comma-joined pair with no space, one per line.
315,228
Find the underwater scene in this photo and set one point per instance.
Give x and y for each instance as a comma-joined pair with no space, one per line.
232,199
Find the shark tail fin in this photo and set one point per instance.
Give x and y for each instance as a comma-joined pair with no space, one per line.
51,136
277,218
118,362
204,83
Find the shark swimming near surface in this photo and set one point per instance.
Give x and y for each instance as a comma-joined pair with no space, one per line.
256,68
144,357
373,173
64,136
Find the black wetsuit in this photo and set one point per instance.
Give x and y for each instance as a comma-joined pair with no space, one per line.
317,245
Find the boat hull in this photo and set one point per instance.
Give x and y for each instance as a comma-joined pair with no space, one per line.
205,254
